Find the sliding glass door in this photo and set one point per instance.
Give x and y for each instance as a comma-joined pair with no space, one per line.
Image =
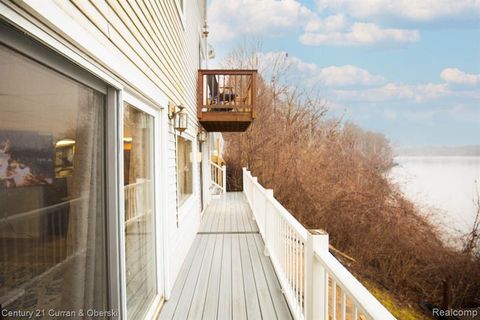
52,190
140,247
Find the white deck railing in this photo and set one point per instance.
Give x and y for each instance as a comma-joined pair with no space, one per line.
218,176
137,200
316,285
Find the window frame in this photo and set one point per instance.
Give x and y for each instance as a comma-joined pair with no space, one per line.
186,199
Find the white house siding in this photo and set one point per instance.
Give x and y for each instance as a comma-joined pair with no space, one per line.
144,46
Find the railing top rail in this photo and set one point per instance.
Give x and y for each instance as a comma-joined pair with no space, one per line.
228,71
131,185
216,165
284,213
287,216
42,211
356,291
216,184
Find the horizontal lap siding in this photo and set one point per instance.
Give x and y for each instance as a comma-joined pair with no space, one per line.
149,40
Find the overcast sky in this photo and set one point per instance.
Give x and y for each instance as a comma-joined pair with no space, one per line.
409,69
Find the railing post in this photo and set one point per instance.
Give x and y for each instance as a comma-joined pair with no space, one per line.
316,281
224,178
244,179
253,200
267,223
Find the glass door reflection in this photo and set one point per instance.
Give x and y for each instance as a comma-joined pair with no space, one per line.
140,257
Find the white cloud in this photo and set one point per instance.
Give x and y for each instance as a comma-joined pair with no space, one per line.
281,60
454,75
420,10
347,75
332,23
331,76
396,92
233,18
360,34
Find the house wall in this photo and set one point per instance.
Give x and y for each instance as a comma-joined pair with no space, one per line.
151,49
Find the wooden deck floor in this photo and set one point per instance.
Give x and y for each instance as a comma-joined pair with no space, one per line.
226,275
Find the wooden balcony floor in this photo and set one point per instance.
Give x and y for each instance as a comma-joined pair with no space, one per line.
226,275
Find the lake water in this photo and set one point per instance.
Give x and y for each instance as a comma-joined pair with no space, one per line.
445,184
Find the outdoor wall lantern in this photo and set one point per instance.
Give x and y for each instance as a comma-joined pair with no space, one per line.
180,119
205,29
202,136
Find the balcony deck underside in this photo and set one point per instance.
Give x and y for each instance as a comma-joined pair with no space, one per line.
226,275
226,121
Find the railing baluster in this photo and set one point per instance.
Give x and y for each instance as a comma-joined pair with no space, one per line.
295,259
234,91
289,255
241,93
344,305
294,268
284,236
326,297
302,278
334,299
212,90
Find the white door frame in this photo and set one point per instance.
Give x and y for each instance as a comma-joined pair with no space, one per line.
159,201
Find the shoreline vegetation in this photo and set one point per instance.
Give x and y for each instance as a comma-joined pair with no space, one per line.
333,175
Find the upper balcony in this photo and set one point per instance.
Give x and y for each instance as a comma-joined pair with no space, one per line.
226,99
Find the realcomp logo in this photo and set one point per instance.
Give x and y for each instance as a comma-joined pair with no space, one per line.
464,313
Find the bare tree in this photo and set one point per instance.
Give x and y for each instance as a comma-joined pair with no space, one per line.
332,175
472,239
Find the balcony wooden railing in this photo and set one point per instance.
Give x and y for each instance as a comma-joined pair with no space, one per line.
226,99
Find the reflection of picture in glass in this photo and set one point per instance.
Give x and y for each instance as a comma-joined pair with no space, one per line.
26,159
64,152
52,233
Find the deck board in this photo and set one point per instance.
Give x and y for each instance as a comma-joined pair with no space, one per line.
211,300
251,298
226,274
239,311
198,300
263,292
224,299
229,213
